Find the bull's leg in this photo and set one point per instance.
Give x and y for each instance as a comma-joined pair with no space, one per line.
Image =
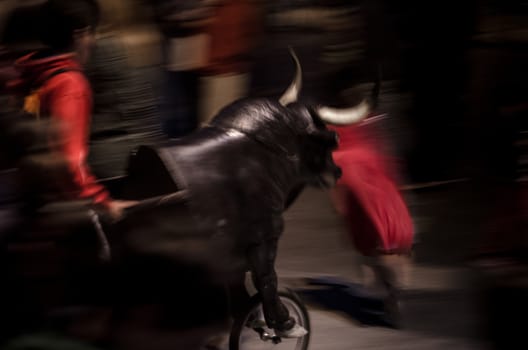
262,261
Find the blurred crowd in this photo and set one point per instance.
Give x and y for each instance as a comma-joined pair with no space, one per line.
449,78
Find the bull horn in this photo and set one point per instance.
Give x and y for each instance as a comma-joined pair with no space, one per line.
344,116
292,93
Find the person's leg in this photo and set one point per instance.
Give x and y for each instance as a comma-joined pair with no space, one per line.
218,91
388,269
262,263
368,275
179,103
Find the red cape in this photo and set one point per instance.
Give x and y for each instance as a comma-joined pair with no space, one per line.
377,216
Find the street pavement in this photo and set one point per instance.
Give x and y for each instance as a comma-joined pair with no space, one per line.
439,304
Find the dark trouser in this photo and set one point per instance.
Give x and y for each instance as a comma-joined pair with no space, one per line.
262,263
180,103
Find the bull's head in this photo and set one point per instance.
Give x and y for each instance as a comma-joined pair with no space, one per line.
316,141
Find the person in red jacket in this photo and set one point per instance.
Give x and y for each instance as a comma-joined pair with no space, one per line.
59,90
376,216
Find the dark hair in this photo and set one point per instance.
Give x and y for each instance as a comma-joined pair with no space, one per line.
18,26
61,18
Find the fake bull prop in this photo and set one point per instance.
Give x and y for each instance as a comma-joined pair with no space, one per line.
238,174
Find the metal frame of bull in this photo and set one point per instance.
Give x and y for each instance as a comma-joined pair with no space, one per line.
241,172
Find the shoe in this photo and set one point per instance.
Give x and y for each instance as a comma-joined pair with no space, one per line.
295,332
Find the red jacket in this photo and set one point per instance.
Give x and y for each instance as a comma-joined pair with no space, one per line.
377,217
67,98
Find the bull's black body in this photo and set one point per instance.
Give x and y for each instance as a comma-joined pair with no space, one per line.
241,172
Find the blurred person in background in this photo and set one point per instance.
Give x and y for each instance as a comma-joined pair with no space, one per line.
233,32
52,84
207,56
122,70
185,52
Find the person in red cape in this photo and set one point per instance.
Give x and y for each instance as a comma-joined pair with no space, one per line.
376,215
